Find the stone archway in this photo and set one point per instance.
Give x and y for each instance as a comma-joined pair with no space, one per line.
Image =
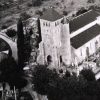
49,59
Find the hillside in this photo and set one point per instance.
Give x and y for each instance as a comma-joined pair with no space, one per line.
11,9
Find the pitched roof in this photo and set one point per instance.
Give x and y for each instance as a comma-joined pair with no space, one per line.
85,36
82,20
51,15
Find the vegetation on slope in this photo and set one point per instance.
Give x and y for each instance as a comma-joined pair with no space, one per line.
11,9
68,87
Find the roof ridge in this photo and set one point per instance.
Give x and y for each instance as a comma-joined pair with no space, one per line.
81,15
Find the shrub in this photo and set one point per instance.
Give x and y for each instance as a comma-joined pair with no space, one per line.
65,12
40,79
88,74
90,1
81,11
29,4
38,12
70,87
43,78
24,16
11,32
4,26
44,9
37,2
72,3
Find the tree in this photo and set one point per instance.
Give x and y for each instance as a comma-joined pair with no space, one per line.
24,16
20,44
67,74
88,74
7,67
65,13
11,74
27,47
18,80
43,78
11,33
90,1
36,2
70,87
40,79
39,12
81,11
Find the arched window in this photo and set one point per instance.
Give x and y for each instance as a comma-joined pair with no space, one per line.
44,24
96,45
87,52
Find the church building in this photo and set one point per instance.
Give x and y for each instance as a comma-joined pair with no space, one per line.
68,41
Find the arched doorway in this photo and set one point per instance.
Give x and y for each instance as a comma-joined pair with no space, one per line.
49,59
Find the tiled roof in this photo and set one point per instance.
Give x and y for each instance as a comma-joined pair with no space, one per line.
51,15
82,20
85,36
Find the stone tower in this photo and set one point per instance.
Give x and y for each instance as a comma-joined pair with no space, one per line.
55,44
50,24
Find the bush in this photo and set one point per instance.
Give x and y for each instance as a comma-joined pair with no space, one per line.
90,1
38,12
72,3
65,13
47,82
24,16
43,78
37,2
29,4
81,11
25,95
4,26
11,33
88,74
27,47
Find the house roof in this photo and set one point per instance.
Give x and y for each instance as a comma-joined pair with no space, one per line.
85,36
82,20
51,15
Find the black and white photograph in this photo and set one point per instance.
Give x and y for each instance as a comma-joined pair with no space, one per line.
49,49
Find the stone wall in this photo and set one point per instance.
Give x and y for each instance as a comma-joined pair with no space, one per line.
65,44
